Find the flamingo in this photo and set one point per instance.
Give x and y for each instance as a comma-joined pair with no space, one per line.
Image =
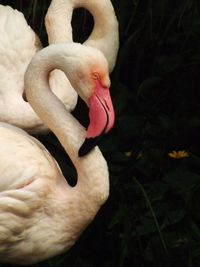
105,34
18,44
17,36
41,215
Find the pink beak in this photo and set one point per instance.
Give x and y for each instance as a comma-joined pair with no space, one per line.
101,114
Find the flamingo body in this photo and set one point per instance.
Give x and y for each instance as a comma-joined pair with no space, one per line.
18,44
40,214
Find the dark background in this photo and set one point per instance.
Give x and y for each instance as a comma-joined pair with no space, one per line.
152,217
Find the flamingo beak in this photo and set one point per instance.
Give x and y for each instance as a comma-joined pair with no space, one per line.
101,115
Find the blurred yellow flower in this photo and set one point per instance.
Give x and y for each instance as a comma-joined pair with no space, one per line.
140,154
178,154
128,153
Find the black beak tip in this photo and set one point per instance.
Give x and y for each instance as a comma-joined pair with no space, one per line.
87,146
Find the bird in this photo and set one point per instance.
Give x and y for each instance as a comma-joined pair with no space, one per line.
41,215
104,35
17,36
18,44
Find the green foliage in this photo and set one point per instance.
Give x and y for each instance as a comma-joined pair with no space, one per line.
152,217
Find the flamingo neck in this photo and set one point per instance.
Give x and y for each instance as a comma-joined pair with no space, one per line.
93,182
104,35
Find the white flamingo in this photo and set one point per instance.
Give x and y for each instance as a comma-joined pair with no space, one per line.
19,43
105,34
40,214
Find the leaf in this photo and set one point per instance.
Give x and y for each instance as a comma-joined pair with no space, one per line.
146,227
182,178
131,125
120,99
195,229
157,190
173,217
148,85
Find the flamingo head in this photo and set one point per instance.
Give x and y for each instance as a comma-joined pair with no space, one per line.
93,86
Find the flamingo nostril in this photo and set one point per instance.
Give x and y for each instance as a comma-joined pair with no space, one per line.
24,96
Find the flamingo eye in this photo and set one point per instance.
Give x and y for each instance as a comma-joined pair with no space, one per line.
95,76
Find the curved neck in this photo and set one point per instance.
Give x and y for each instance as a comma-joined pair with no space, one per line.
92,169
104,35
